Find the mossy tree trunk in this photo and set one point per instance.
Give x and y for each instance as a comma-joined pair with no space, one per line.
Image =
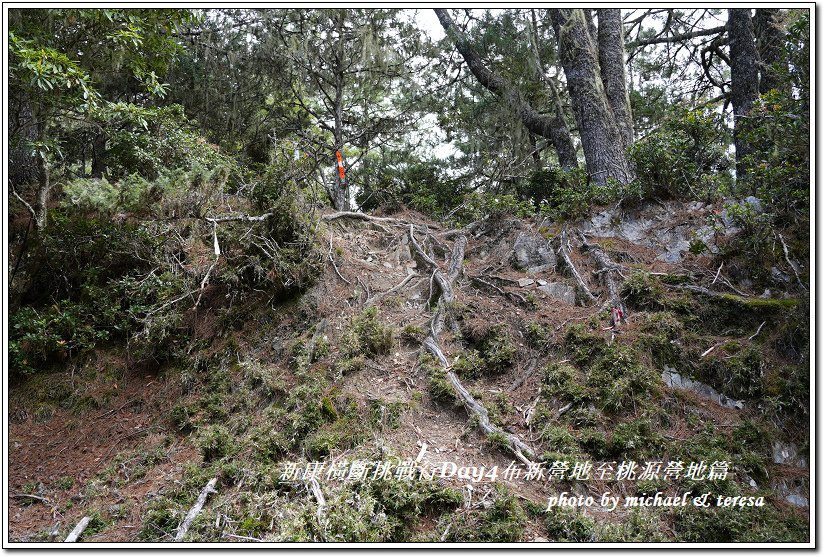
770,37
612,59
600,135
744,76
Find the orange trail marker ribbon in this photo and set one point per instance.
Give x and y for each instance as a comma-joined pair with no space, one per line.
340,164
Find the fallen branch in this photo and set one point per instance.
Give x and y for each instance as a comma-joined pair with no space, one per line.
195,510
316,491
27,496
717,274
78,530
247,218
358,216
564,250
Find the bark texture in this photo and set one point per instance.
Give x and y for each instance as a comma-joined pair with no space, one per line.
612,59
600,136
770,38
744,75
561,137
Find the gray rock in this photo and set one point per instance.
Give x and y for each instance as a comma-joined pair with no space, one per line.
779,276
797,500
522,282
559,291
541,282
677,381
787,453
532,253
754,203
540,269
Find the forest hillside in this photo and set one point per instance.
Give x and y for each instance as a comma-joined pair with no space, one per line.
340,275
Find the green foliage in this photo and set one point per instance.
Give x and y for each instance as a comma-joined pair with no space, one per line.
56,331
495,354
504,521
614,379
640,526
733,524
152,141
739,376
569,525
778,132
366,336
215,442
685,158
636,438
659,337
641,290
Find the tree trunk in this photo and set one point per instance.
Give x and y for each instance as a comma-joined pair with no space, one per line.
98,155
770,43
611,58
340,197
549,127
600,136
744,75
41,204
561,138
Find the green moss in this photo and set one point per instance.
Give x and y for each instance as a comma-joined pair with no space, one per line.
559,439
366,336
537,335
504,521
469,364
639,526
733,524
496,351
738,376
161,519
660,334
568,525
642,290
582,345
635,439
215,442
413,333
387,414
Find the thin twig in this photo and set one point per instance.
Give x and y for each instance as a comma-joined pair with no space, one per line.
332,259
791,264
758,331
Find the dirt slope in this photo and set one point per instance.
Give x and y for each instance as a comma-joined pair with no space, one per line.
337,375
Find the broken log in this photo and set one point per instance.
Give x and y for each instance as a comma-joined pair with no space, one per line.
78,530
195,510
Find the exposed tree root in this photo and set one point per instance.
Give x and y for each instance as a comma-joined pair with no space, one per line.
606,267
582,285
514,296
445,282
